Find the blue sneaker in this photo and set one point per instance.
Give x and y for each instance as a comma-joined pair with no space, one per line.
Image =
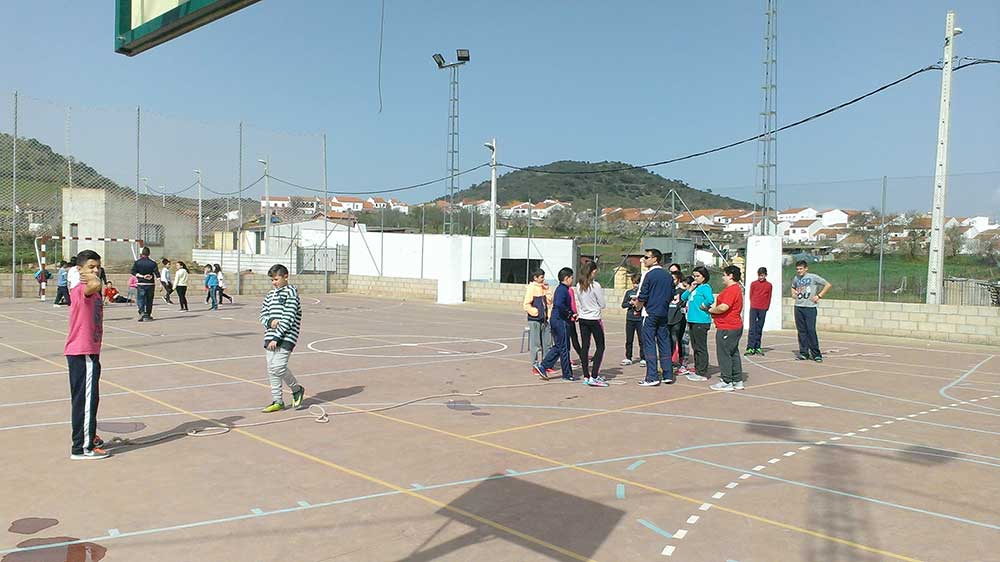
538,371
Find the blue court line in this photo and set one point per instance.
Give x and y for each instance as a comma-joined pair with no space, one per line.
635,465
944,389
620,491
655,529
671,453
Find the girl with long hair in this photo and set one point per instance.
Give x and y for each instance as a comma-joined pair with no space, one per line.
590,302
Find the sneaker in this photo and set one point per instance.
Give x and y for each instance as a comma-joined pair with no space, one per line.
759,351
626,361
570,378
141,319
599,382
669,381
738,385
91,455
683,370
297,396
574,362
165,299
539,372
693,377
648,383
750,351
98,442
801,357
642,363
818,359
722,386
274,407
551,372
55,306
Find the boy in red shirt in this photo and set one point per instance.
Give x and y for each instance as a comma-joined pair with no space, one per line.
727,314
83,355
760,301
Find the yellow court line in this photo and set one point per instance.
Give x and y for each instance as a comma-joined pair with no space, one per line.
324,462
647,404
548,460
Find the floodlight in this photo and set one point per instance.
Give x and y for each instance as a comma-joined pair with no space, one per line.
439,60
462,55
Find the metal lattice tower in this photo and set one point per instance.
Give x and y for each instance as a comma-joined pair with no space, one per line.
767,155
453,144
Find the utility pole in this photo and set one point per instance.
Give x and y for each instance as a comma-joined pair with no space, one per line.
267,203
673,225
597,215
935,258
197,174
13,212
881,239
492,145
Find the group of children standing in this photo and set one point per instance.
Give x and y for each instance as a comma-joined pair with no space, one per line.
668,311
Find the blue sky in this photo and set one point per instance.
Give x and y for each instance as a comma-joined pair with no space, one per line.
584,80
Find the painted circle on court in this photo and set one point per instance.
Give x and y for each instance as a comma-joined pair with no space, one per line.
401,346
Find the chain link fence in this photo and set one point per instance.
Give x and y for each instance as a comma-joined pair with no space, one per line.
192,190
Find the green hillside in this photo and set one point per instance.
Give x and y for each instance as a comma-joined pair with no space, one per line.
629,188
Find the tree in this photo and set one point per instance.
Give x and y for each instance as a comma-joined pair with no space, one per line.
865,229
911,246
561,220
954,241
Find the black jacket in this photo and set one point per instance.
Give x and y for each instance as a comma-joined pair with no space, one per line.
145,266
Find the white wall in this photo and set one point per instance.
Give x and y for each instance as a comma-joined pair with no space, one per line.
764,251
404,253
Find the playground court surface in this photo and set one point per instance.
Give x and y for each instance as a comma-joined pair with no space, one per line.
886,451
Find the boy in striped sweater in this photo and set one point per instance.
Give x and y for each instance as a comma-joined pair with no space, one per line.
281,315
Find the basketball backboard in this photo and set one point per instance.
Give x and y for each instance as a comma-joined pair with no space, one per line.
144,24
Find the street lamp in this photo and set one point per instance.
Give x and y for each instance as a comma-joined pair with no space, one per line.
462,57
267,202
197,174
492,146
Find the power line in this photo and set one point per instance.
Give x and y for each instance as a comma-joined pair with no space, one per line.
755,137
237,192
377,191
158,192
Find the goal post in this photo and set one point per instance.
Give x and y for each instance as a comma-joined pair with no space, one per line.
41,243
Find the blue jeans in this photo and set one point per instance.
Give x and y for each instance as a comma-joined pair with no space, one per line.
213,295
144,300
656,339
559,349
805,325
757,316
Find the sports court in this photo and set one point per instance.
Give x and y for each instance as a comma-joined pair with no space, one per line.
886,451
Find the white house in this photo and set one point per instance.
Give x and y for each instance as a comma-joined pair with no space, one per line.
739,224
797,214
399,206
982,224
276,202
803,230
349,203
831,217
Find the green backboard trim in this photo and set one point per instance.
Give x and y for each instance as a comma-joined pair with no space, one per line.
186,17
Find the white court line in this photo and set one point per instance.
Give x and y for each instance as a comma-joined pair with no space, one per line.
692,520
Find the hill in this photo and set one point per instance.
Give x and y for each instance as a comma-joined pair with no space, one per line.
628,188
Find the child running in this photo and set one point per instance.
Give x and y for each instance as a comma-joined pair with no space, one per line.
62,287
281,315
537,303
168,286
562,316
222,284
83,357
211,285
180,285
633,321
590,300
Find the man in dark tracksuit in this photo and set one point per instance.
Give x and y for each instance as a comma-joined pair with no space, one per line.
145,273
562,315
656,291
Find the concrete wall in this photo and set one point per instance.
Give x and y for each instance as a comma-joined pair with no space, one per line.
961,324
396,287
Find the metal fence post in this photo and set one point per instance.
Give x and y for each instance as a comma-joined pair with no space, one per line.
239,206
326,225
13,212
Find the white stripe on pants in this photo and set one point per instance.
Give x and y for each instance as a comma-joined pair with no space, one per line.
87,445
278,372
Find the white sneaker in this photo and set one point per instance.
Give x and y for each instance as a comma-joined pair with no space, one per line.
693,377
626,361
645,383
55,306
722,386
738,385
642,363
92,455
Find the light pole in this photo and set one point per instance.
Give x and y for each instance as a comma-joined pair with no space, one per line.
145,204
462,57
197,174
492,145
267,204
935,258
